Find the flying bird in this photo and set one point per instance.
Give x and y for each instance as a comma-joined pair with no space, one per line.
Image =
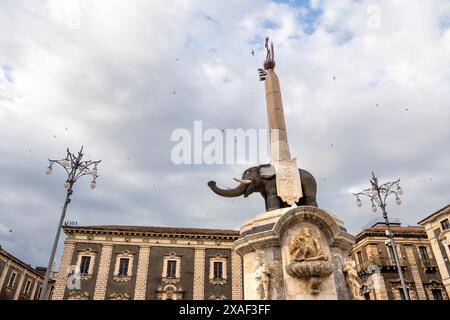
10,230
174,92
406,109
177,59
376,104
334,78
253,53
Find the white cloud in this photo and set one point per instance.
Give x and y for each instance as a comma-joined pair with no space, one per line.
102,74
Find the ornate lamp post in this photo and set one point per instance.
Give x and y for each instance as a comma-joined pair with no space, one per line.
75,169
378,195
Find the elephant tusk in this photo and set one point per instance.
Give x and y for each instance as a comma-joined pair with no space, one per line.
244,181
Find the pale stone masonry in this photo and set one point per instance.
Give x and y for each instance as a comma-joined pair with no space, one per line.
3,275
151,276
61,280
103,271
437,227
377,270
379,289
19,287
199,274
142,273
20,281
415,273
236,272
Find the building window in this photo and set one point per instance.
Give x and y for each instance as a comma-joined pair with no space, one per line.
424,254
171,269
38,295
437,294
12,279
27,287
50,295
84,265
402,294
445,224
391,252
123,266
218,269
360,257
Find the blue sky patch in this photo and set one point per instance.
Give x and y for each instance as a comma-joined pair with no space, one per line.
7,72
270,24
444,22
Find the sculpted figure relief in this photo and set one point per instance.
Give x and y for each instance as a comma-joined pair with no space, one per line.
262,277
352,275
305,247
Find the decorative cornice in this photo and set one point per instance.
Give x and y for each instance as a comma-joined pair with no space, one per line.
21,263
406,233
154,232
435,214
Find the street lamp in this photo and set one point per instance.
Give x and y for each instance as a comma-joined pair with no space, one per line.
75,169
378,195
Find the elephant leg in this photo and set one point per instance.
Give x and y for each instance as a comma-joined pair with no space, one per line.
309,188
273,202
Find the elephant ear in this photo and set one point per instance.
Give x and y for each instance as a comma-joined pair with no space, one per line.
267,172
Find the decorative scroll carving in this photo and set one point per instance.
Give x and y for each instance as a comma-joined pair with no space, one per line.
217,297
169,292
116,296
78,295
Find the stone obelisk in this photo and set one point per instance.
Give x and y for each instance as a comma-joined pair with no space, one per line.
287,175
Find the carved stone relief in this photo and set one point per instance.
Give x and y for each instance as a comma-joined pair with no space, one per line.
262,277
308,259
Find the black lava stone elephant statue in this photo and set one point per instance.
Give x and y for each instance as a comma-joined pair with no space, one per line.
262,179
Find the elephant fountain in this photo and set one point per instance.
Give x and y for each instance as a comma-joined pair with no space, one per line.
262,179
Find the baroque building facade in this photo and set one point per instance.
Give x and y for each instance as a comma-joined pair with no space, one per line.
148,263
19,281
377,271
437,227
160,263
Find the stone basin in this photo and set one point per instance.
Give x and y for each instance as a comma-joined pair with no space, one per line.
307,269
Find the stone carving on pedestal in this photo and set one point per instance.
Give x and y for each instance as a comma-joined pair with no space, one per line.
308,260
78,295
262,277
352,281
169,292
116,296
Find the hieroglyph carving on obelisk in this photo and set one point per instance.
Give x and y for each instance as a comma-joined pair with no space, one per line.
287,175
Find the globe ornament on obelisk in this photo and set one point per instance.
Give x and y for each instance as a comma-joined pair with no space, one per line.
287,175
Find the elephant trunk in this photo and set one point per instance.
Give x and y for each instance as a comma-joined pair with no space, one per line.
230,193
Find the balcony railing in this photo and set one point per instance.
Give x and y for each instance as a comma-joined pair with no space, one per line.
382,264
429,265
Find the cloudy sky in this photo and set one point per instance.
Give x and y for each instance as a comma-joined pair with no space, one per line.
365,85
